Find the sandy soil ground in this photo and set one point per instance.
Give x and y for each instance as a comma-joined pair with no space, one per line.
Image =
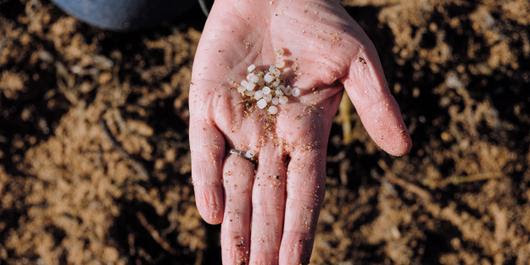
94,160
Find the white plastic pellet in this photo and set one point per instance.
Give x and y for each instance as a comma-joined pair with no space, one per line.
273,110
283,100
249,154
253,78
268,97
296,92
258,95
266,88
251,68
251,86
262,103
268,77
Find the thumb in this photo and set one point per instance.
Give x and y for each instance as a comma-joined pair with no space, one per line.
380,115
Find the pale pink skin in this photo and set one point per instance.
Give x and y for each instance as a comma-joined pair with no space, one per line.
269,213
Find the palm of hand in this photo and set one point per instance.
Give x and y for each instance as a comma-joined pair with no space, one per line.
328,51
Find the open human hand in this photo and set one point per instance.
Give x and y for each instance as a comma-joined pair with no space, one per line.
269,209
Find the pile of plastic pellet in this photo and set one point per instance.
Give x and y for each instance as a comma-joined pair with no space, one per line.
267,89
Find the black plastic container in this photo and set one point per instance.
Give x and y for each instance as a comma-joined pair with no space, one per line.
124,15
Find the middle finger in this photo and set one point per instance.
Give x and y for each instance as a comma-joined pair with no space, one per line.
238,175
268,205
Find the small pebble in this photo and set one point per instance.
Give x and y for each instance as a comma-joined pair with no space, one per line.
266,90
249,93
283,100
275,101
280,64
241,89
273,110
